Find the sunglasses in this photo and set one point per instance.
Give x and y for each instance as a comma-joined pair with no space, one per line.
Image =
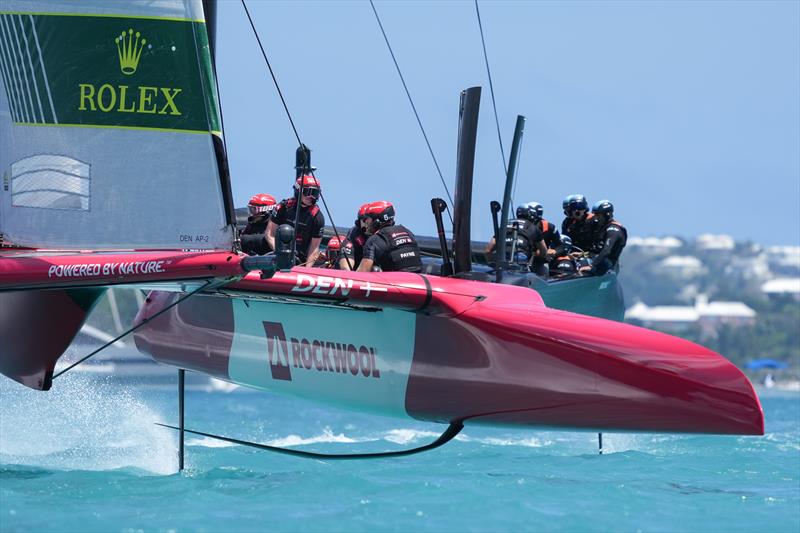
310,191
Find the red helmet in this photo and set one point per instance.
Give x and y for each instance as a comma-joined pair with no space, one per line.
335,243
308,185
260,203
363,210
381,212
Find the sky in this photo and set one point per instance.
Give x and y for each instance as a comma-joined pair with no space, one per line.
686,115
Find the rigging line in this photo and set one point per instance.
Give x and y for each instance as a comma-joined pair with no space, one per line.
491,89
134,328
289,115
333,224
269,66
411,101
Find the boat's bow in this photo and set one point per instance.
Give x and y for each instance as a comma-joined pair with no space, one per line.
504,361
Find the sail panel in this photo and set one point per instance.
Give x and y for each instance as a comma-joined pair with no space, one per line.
107,112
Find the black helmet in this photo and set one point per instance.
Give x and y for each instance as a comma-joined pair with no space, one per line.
531,211
574,202
603,207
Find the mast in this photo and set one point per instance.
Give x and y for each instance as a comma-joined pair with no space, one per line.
501,257
220,150
467,136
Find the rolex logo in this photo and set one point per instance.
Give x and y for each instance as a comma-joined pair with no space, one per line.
129,47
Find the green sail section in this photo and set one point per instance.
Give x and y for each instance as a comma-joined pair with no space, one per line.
107,111
109,71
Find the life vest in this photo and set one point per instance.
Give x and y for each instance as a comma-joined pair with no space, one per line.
613,256
522,244
403,254
289,203
581,232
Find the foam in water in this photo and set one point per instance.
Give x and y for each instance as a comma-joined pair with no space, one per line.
82,423
404,436
326,436
209,442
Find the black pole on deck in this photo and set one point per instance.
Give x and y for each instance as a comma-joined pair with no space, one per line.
438,206
600,442
502,260
181,389
469,106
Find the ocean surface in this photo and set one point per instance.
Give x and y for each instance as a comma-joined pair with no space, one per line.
87,456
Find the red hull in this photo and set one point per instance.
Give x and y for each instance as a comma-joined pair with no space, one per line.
432,348
483,353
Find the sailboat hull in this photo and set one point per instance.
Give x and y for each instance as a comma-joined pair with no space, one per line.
441,350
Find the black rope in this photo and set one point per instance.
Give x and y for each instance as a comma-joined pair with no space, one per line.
491,89
452,430
413,107
289,116
333,224
134,328
269,66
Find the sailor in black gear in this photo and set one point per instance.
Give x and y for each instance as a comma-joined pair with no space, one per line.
562,262
332,254
533,211
253,237
524,244
310,221
611,237
579,224
390,246
352,250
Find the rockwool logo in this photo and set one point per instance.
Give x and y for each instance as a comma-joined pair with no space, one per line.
317,354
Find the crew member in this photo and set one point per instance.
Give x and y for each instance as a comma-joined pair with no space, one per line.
254,234
390,246
333,252
563,262
310,221
526,240
579,224
353,244
611,237
533,211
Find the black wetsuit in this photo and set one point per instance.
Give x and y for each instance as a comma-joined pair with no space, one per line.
580,231
254,241
552,239
353,246
528,236
612,237
310,224
394,248
550,234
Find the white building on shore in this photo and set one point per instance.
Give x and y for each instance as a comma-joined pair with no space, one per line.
708,316
782,287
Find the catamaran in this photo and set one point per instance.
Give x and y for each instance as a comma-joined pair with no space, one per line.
111,109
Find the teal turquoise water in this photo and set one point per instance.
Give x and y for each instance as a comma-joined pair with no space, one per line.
87,457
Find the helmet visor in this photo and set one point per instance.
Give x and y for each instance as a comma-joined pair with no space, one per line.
313,192
254,209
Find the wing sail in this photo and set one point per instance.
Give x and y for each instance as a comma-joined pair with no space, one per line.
108,120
